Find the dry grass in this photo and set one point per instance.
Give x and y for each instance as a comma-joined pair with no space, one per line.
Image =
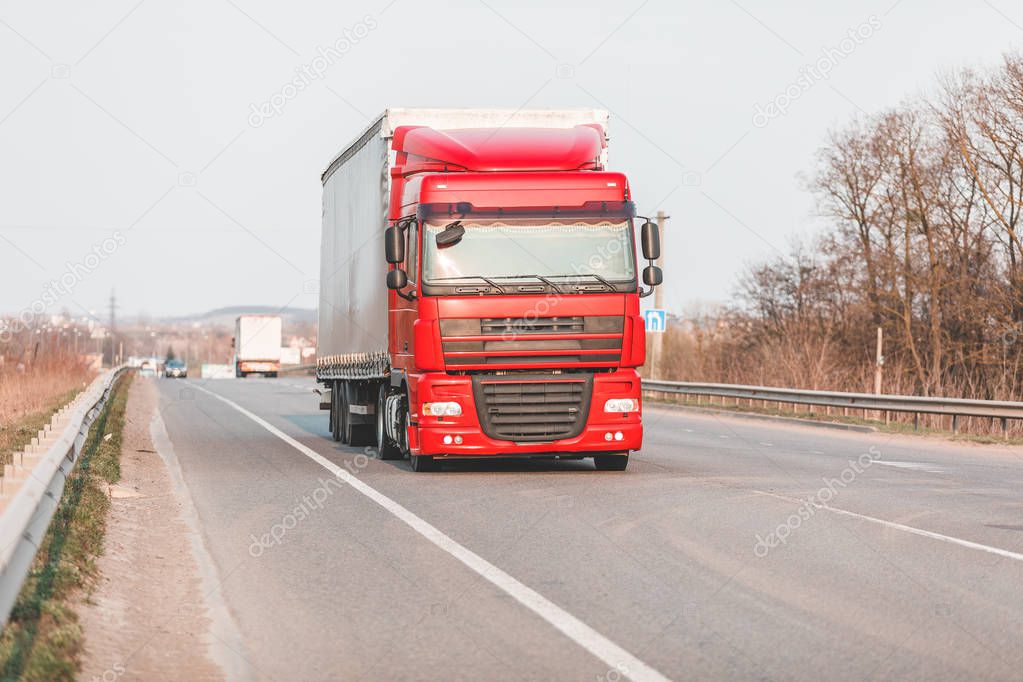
35,388
722,355
29,398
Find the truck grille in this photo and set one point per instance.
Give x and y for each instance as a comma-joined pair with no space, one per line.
530,408
510,326
474,343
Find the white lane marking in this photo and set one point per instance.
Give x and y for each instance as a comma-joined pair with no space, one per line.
579,632
915,466
908,529
769,445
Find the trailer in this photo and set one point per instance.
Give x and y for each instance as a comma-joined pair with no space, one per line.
480,289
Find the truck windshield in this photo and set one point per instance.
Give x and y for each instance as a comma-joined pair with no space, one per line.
503,249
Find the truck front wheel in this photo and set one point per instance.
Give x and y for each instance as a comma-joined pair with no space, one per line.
423,463
611,462
388,448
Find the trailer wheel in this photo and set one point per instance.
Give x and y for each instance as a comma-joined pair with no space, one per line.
335,412
355,434
342,412
388,448
611,462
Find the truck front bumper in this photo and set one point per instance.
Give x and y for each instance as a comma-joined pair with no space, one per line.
463,436
593,440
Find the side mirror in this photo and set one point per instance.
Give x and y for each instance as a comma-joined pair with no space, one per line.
396,279
652,276
651,239
394,245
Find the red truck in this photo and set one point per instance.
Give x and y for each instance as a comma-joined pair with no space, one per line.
479,289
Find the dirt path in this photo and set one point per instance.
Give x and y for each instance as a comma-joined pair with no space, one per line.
148,619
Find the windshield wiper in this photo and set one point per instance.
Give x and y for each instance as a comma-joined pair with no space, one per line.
543,279
480,277
610,287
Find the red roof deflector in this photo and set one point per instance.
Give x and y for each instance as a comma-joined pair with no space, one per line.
500,149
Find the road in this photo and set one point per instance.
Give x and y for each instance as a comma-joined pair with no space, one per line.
701,561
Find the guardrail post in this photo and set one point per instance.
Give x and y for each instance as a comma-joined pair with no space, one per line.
916,421
1005,428
955,424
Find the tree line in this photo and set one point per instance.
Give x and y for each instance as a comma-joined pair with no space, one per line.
923,205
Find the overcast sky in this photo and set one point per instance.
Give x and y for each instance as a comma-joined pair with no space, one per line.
127,128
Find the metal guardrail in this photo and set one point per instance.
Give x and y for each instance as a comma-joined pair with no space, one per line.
955,407
31,487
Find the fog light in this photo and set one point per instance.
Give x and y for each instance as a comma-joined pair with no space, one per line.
608,436
619,435
447,440
458,440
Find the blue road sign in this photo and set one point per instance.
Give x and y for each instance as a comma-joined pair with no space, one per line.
656,320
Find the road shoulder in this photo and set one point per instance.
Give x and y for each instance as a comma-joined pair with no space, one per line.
147,618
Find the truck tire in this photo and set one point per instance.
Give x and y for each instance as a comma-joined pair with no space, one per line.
420,463
611,462
388,448
355,434
335,413
342,412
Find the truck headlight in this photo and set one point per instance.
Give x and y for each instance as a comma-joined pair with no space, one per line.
621,405
448,409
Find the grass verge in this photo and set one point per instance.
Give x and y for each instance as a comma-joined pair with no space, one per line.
43,639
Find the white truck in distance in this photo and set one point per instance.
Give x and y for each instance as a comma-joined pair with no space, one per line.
257,345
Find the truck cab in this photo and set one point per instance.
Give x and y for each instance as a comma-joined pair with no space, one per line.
513,315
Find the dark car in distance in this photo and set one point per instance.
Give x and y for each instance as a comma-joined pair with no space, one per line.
175,369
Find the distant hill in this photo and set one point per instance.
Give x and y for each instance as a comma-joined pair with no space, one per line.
226,316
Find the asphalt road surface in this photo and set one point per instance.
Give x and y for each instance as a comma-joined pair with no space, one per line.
704,560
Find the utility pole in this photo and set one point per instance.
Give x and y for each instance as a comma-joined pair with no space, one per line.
657,345
112,331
